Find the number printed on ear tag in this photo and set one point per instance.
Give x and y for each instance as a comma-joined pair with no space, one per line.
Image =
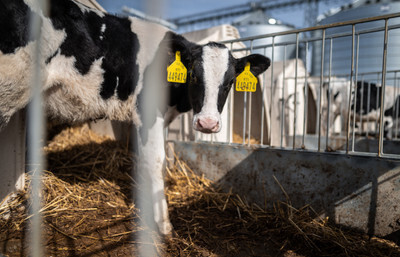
246,81
177,72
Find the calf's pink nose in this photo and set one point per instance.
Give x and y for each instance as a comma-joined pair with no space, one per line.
208,124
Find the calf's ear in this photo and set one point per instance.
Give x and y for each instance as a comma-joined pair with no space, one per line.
258,64
174,43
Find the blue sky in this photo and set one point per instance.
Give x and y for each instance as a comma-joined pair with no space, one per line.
178,8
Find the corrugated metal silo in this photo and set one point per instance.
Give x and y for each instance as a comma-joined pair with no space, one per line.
370,45
258,23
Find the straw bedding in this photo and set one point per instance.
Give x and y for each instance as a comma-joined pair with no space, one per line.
88,211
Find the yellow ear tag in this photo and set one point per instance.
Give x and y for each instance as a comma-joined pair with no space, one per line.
246,81
177,72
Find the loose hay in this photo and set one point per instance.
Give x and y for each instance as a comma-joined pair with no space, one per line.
88,211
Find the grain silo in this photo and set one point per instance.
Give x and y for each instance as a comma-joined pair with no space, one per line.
369,45
258,23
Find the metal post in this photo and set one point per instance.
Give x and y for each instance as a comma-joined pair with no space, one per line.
283,95
394,113
295,91
262,105
250,102
355,97
385,43
368,106
305,114
230,110
397,106
244,116
321,81
329,96
350,89
361,104
272,90
36,131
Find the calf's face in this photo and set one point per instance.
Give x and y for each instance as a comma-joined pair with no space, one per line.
211,75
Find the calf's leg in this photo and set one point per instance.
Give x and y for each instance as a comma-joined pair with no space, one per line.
151,164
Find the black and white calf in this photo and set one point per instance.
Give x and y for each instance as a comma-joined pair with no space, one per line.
368,105
96,65
365,103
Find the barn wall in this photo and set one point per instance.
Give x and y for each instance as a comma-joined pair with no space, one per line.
361,192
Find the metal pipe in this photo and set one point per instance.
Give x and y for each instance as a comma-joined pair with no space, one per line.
262,105
368,106
305,114
36,130
321,81
394,108
397,106
350,89
295,91
250,103
361,104
230,111
283,95
385,43
272,91
244,117
355,97
329,96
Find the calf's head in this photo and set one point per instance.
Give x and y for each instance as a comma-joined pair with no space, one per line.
212,70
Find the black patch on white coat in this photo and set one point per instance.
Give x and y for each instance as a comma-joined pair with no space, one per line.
85,40
14,25
363,90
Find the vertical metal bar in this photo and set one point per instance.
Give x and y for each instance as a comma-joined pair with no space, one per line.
36,131
355,97
262,104
361,104
385,43
145,174
230,110
321,81
181,132
305,114
368,106
250,101
272,90
295,91
394,112
377,101
397,106
350,89
283,95
244,117
329,96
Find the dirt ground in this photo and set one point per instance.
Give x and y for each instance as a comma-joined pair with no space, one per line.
88,210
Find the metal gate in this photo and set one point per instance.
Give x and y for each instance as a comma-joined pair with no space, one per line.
325,138
292,109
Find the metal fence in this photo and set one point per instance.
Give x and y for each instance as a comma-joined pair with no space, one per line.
296,109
